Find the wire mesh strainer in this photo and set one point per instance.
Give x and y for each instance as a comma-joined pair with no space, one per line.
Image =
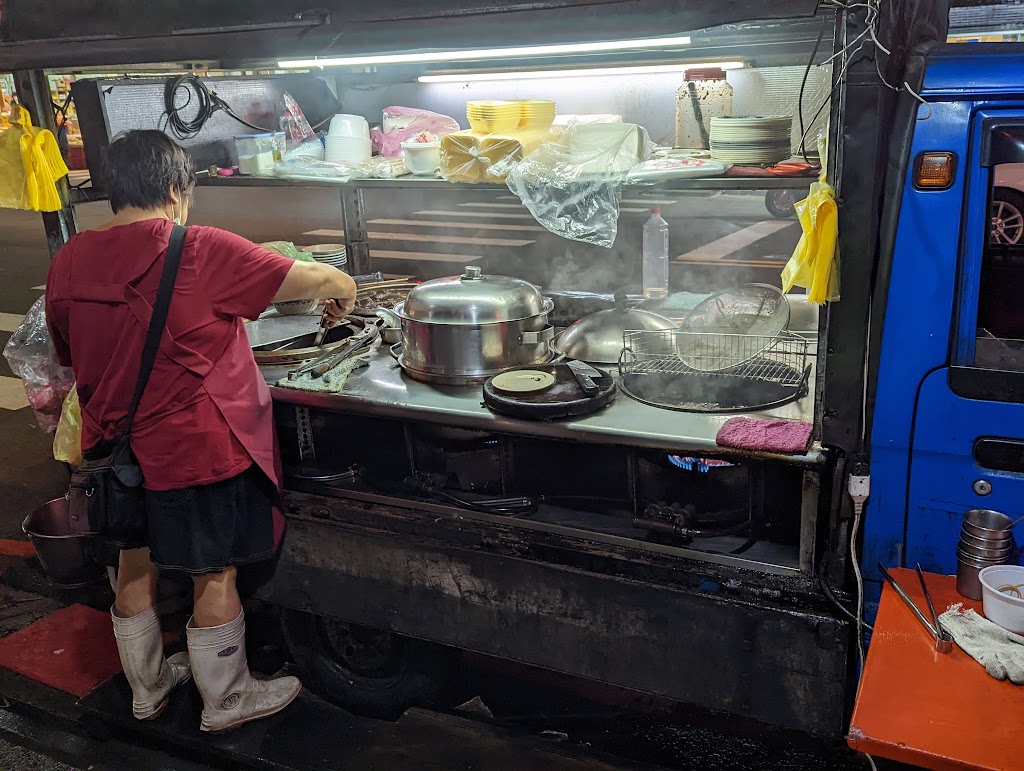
713,372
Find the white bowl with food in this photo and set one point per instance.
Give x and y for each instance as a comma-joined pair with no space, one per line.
422,158
1002,592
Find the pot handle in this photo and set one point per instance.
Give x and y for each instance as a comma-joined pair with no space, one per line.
545,335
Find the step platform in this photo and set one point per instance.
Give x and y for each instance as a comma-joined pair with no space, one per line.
312,734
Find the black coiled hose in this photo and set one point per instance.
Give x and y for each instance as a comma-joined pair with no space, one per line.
208,104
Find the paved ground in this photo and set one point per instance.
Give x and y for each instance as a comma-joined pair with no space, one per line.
15,758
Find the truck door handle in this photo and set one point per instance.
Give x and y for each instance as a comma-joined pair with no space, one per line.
1000,454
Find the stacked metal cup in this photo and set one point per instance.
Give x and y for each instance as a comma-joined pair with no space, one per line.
986,538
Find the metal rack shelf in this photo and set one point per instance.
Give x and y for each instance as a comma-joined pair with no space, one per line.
705,183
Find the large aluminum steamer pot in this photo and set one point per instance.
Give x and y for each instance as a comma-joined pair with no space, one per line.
463,329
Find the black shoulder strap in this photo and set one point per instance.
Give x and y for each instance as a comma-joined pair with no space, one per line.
158,321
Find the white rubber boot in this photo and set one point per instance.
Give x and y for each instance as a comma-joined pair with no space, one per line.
140,645
232,696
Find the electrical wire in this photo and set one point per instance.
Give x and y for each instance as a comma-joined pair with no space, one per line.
830,595
803,85
849,52
209,103
858,511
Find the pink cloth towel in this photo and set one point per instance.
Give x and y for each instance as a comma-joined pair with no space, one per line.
785,436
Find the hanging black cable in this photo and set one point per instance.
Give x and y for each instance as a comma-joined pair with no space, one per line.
208,104
187,128
800,99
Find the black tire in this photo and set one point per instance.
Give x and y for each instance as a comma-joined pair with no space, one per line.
369,671
1007,216
779,203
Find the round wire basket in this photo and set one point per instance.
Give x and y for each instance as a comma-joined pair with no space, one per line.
713,372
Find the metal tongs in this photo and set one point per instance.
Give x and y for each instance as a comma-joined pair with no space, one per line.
325,326
943,639
352,346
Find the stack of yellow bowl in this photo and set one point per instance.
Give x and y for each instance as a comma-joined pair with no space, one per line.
489,116
536,113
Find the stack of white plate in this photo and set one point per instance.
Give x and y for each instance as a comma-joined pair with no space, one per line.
329,254
348,140
751,140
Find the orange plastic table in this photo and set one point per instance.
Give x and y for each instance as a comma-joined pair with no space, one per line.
940,711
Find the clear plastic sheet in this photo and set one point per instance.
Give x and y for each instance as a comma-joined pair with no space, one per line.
31,355
311,168
571,184
375,168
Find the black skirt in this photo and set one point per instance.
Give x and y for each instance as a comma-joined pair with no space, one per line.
204,529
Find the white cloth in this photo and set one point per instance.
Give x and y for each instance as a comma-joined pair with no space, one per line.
999,651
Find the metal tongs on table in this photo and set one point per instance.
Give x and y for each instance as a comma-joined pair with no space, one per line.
943,639
353,346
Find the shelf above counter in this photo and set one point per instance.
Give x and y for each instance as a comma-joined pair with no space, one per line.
702,183
88,194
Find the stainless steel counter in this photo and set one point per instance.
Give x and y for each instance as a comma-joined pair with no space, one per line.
383,390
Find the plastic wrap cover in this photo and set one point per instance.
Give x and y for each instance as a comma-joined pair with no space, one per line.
114,32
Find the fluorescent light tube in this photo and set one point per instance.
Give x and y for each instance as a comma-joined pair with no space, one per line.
487,53
652,69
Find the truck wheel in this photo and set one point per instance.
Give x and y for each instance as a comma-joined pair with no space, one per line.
1007,216
369,671
779,203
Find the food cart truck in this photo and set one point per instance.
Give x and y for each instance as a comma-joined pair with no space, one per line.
626,546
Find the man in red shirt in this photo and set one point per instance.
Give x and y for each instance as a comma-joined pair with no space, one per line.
203,434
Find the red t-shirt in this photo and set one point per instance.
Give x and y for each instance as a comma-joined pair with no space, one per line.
99,297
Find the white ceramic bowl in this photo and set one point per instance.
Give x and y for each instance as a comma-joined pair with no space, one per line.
296,307
422,158
1003,609
349,126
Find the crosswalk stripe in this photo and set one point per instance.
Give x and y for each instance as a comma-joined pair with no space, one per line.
463,259
12,394
463,225
481,205
726,245
10,321
768,262
487,214
477,205
429,237
325,233
634,201
450,239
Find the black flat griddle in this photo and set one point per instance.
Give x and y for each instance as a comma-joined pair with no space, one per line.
565,399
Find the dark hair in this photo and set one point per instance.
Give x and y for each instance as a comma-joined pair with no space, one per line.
142,168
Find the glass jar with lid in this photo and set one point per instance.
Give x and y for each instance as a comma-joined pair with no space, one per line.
704,94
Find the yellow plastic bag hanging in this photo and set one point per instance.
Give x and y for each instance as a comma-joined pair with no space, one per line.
30,165
815,261
67,442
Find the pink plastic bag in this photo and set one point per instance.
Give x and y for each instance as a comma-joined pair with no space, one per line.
404,123
31,356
